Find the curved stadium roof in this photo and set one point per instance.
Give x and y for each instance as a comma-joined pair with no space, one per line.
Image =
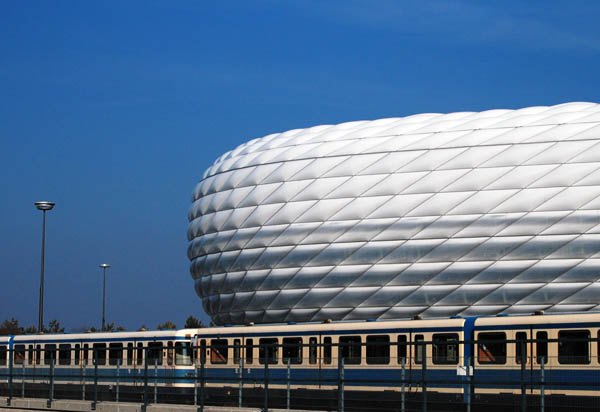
433,214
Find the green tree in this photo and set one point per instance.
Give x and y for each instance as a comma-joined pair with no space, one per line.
193,323
167,325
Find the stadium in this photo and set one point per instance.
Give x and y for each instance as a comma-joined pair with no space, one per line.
468,213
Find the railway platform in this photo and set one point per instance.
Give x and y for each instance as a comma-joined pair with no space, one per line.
64,405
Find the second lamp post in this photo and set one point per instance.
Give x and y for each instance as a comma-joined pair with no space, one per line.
104,266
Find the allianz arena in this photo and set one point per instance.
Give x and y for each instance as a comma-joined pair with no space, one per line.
432,214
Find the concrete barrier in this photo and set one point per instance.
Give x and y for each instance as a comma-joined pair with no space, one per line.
65,405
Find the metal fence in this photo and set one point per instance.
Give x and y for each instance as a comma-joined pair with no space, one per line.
352,375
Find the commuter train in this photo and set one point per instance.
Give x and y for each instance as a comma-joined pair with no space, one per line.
495,353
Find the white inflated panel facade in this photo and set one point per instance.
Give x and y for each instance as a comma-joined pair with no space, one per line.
432,214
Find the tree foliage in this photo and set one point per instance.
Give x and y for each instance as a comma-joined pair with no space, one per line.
10,327
54,327
193,323
167,325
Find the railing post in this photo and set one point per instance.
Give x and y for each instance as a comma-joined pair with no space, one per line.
202,380
196,383
155,380
10,375
23,380
241,379
403,394
51,394
118,376
95,360
523,373
543,388
82,379
340,379
288,383
266,377
145,397
469,388
424,375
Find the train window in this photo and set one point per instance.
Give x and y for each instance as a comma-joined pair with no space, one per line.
140,353
402,348
155,353
312,351
292,350
574,347
378,349
115,353
183,353
419,349
541,347
445,348
327,351
49,353
491,348
520,347
3,353
30,354
99,354
77,354
236,351
169,353
19,354
218,351
130,354
38,354
64,354
351,349
267,350
249,350
86,351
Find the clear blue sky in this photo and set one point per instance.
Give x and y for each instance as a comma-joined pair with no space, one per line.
113,109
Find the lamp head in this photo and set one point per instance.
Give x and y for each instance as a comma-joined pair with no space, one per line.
44,205
104,265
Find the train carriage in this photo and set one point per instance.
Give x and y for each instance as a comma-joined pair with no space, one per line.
565,346
372,352
73,356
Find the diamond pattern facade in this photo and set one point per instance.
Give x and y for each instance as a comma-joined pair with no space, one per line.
432,214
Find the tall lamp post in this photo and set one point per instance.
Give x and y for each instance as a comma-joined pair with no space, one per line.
44,207
104,266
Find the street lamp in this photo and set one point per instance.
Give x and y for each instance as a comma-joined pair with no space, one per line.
104,266
44,207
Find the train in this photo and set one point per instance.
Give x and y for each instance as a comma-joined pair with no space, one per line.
463,356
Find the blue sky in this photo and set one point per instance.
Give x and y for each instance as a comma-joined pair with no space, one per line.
114,109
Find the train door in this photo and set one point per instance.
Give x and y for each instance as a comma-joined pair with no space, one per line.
521,351
169,363
247,355
139,353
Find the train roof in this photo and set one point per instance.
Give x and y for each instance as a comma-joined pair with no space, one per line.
332,327
542,319
146,335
